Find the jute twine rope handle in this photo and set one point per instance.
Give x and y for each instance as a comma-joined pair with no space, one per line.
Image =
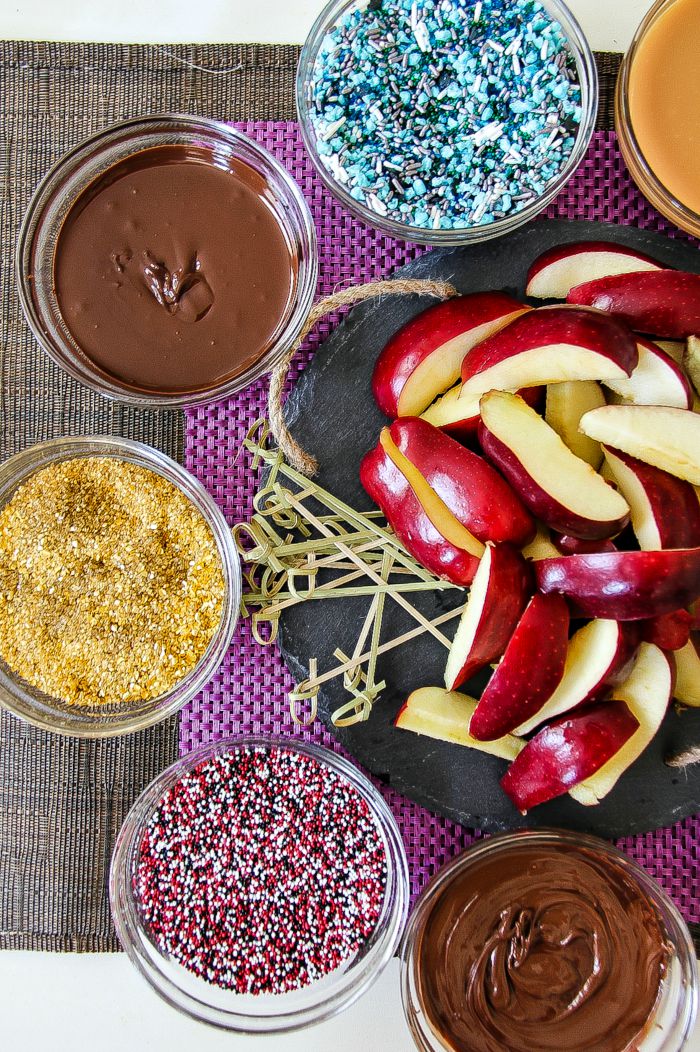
295,455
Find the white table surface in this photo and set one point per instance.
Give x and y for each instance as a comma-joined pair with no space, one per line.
75,1002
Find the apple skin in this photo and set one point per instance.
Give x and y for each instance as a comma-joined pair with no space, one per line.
624,586
557,270
553,482
664,303
460,417
530,670
667,631
567,751
497,598
469,486
445,715
657,380
390,489
568,545
664,509
550,345
423,358
687,687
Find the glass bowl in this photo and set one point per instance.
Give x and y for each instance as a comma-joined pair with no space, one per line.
646,179
588,79
109,720
671,1023
261,1013
77,169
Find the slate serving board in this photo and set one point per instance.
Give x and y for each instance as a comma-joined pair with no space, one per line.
331,412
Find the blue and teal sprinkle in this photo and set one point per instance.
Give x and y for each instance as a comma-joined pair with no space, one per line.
442,114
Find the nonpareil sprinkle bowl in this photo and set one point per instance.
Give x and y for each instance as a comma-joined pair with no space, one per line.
463,153
152,831
112,719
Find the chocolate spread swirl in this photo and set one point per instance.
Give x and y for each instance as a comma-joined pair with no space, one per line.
541,948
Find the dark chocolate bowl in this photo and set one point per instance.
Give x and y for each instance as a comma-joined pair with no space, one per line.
89,167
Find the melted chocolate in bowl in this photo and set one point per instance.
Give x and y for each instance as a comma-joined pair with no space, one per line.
545,948
172,271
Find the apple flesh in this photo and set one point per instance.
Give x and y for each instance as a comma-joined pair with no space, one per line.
664,437
558,269
647,693
441,470
624,586
423,359
691,361
566,403
673,348
687,689
528,673
663,303
541,546
497,598
557,486
390,489
667,631
657,380
459,416
445,715
550,345
664,510
568,751
594,658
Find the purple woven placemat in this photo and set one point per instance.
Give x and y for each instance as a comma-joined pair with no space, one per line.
248,694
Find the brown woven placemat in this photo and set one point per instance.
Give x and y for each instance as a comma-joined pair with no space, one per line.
62,801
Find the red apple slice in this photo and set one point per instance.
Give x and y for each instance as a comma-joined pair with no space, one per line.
460,416
557,486
594,657
550,345
673,348
568,545
657,380
663,303
541,546
558,269
667,438
566,404
529,671
646,692
667,631
390,489
687,689
625,586
691,361
445,715
694,611
567,751
664,510
424,357
497,598
466,484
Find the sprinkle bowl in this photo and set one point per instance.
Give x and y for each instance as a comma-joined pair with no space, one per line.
227,1008
413,189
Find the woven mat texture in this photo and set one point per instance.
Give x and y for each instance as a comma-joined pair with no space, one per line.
62,801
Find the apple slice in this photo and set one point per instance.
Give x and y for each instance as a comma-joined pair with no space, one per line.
594,657
687,689
445,715
424,357
541,546
557,486
460,416
647,693
667,631
497,598
691,361
694,611
550,345
568,545
673,348
625,586
566,403
390,489
667,438
464,483
530,670
657,380
664,510
567,751
558,269
663,303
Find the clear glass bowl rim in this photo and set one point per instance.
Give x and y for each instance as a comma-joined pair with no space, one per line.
588,75
130,931
53,184
424,1037
644,176
13,695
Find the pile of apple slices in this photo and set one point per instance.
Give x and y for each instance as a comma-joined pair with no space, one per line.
549,458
